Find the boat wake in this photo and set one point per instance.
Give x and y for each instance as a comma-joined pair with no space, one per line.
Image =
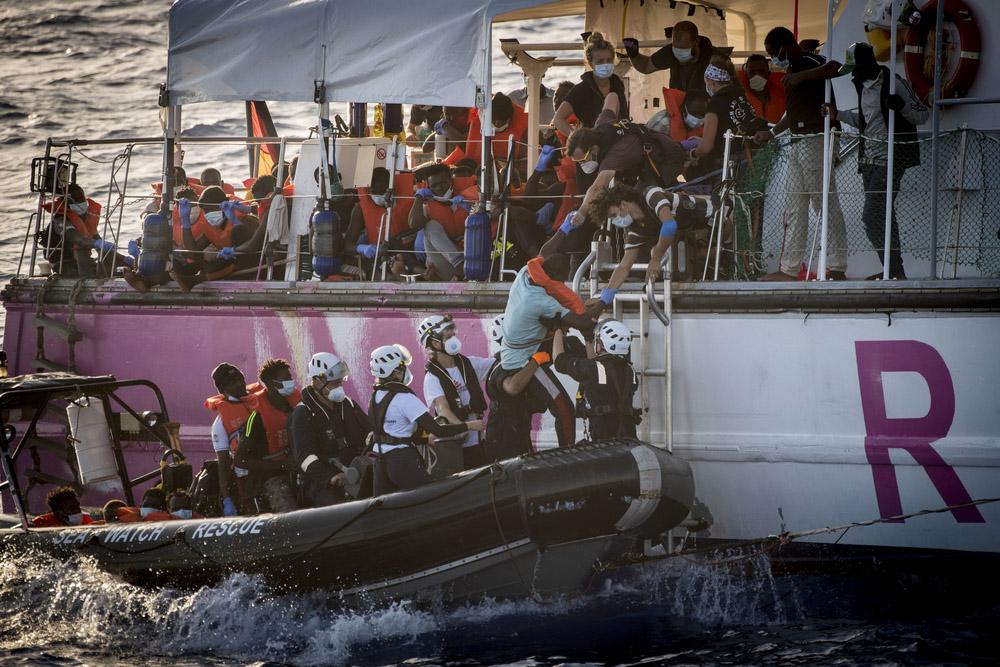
73,608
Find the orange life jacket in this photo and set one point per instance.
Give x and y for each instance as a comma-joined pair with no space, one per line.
159,516
234,415
49,520
86,225
673,103
452,219
566,173
566,297
402,203
220,237
128,514
517,128
775,107
274,420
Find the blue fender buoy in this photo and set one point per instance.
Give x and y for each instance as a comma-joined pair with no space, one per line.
325,226
477,246
157,242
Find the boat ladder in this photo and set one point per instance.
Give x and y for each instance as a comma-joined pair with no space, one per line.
67,331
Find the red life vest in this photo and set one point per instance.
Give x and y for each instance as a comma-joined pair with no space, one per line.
673,104
220,237
234,415
274,420
86,225
128,514
159,516
452,219
49,520
517,128
402,186
775,107
566,172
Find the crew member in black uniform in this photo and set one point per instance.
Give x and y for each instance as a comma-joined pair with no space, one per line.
607,381
326,428
398,419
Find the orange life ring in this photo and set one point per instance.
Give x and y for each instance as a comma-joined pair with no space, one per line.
969,43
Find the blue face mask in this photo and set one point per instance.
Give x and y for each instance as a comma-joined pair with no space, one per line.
604,70
182,514
79,208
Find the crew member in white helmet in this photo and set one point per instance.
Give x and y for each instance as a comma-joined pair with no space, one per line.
325,429
397,419
452,382
607,380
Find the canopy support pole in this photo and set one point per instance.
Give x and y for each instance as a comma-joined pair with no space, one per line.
890,148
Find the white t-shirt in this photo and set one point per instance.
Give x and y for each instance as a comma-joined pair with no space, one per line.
220,439
400,418
433,389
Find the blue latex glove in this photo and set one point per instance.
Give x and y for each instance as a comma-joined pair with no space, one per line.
439,126
103,247
227,253
545,157
425,193
459,200
367,251
133,248
692,143
608,295
228,507
543,218
184,212
128,261
418,246
567,225
229,208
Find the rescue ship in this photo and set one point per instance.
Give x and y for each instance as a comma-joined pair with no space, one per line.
797,405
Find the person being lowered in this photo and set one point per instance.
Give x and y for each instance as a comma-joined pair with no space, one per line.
397,419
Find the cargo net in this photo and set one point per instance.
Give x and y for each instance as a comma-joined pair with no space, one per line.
784,179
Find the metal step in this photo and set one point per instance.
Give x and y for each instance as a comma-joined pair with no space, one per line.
45,478
61,329
52,366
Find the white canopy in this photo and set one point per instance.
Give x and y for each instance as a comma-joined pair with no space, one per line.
414,51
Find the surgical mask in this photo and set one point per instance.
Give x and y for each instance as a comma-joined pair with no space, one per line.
779,63
589,167
709,91
146,511
215,218
758,82
408,378
75,519
604,70
182,514
446,197
337,395
79,208
622,221
693,121
287,387
452,346
682,55
501,128
380,200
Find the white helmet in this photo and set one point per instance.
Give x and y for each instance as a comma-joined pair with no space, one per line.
328,366
659,122
435,325
388,358
496,329
615,337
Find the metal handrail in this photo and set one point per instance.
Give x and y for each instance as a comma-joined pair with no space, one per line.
654,307
582,269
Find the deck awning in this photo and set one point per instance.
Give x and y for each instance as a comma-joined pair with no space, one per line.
420,51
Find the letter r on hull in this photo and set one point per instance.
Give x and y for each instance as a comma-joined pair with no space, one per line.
913,435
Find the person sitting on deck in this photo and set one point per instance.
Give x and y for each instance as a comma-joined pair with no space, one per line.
454,127
549,195
206,242
64,510
154,505
232,407
212,177
263,449
368,218
439,213
509,120
77,240
326,428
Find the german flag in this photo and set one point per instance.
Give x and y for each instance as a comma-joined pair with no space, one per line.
259,124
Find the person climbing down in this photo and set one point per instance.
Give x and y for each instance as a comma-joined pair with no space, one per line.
232,407
607,380
397,418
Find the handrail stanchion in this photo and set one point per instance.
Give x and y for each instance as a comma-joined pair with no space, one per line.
65,208
890,148
279,187
827,151
936,133
725,181
959,191
38,217
668,419
582,270
644,306
506,208
385,222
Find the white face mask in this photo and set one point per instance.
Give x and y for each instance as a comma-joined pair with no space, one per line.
146,511
452,346
408,378
75,519
709,91
380,200
182,514
446,197
589,167
622,221
215,218
693,121
337,395
758,82
287,387
501,128
682,55
604,70
79,208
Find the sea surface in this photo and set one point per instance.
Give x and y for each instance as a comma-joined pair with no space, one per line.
91,68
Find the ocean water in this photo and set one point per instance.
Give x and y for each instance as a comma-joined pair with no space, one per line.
91,68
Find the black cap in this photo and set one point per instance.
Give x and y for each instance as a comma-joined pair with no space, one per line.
224,373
